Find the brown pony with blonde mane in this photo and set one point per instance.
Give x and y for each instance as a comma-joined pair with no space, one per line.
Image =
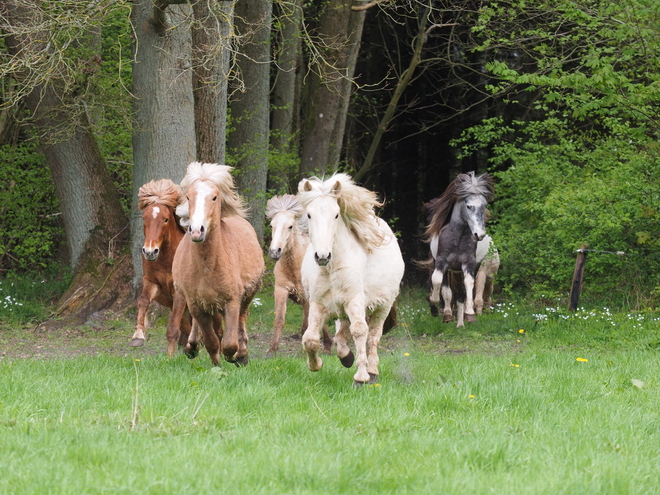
288,245
218,266
157,201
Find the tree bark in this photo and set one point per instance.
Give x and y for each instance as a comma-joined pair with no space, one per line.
326,104
164,128
94,222
250,109
211,53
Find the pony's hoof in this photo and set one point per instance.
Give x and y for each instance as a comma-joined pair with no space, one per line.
373,378
447,319
242,361
191,352
348,360
357,384
434,311
136,343
271,353
470,318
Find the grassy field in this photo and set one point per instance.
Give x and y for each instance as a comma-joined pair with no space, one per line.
523,401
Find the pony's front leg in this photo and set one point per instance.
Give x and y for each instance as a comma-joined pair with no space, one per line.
311,339
174,325
192,347
468,280
479,287
436,283
148,294
281,297
241,357
355,311
230,344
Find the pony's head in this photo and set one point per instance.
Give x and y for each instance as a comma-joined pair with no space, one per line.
285,213
467,197
157,201
209,196
338,199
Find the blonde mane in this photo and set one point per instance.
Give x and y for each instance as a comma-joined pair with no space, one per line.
162,192
279,204
230,202
356,205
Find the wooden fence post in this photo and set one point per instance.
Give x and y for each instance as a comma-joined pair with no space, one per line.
578,276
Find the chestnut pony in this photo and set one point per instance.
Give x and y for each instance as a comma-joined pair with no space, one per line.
352,270
288,245
157,201
218,266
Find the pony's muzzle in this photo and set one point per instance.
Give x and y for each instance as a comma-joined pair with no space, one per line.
275,253
197,235
479,235
150,254
322,260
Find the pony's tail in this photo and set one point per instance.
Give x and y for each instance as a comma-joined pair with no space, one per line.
391,321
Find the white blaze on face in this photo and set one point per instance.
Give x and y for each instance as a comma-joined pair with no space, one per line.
198,215
476,208
155,212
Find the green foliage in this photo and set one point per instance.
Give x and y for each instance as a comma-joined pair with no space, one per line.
583,167
30,228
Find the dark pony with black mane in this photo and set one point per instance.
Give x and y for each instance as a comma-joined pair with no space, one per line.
456,223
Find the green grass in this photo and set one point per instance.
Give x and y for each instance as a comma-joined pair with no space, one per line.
485,409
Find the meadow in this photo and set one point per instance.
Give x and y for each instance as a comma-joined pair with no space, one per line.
526,401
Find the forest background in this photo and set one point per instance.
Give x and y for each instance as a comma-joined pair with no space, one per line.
559,100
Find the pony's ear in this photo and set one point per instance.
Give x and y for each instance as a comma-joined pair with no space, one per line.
336,189
305,186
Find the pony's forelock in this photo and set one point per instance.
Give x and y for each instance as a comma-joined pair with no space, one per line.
284,203
162,192
220,176
356,205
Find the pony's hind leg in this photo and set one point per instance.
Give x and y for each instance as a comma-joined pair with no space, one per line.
311,339
447,315
281,298
174,325
205,323
192,347
344,353
376,322
434,296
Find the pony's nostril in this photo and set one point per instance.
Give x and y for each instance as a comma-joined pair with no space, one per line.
201,229
156,252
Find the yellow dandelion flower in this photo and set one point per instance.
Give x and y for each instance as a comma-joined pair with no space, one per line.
521,331
406,354
471,396
137,360
378,384
582,360
515,365
518,341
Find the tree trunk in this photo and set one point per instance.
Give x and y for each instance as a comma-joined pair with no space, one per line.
211,52
95,224
164,132
250,110
326,103
285,116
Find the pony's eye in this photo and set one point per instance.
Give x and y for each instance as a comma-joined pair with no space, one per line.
167,220
309,216
214,198
336,216
290,227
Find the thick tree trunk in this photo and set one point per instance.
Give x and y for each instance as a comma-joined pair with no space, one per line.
248,142
211,53
96,227
164,132
326,102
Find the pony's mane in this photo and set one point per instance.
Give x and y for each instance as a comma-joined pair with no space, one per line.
279,204
230,202
162,192
356,205
438,210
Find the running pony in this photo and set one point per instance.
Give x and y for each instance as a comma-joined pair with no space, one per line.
157,201
352,270
218,266
288,245
456,225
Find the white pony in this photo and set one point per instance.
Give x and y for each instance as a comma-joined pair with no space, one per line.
352,269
